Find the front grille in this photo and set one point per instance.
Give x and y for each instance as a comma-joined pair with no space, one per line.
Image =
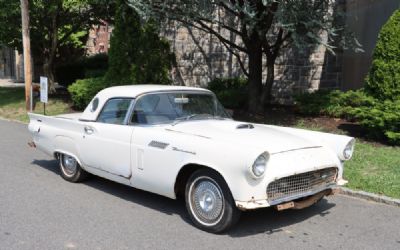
294,185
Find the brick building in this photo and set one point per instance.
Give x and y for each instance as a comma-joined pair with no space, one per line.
99,39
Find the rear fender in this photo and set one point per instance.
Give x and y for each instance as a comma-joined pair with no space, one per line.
66,145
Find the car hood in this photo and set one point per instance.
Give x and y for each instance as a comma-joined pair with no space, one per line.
263,137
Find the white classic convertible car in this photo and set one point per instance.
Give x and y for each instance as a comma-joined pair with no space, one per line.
179,141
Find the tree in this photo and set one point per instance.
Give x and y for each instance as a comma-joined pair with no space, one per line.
264,27
137,54
54,23
124,39
383,80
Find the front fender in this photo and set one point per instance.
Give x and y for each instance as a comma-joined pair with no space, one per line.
334,142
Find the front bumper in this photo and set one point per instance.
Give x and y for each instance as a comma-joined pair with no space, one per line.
296,187
255,204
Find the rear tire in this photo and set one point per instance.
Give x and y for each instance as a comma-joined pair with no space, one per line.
209,202
70,169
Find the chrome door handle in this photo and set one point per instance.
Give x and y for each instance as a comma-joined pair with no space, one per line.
88,130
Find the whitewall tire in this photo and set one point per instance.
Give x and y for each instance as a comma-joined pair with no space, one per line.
70,169
209,202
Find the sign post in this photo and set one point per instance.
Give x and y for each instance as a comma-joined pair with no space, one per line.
44,92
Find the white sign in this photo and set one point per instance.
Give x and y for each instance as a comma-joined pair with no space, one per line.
43,89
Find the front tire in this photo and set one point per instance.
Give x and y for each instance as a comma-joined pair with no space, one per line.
70,169
209,202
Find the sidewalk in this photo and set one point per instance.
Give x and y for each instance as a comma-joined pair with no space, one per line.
10,83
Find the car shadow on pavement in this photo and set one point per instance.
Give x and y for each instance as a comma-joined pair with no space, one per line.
144,198
51,165
260,221
269,221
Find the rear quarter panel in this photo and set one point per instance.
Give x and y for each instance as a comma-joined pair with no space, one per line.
55,134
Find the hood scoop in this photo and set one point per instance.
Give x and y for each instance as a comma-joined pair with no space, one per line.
245,126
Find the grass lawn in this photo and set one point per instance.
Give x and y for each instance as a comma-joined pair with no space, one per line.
12,105
374,167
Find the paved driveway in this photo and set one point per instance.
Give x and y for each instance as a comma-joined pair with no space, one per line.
38,210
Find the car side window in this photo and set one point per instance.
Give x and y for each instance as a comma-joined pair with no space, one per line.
115,111
94,104
152,109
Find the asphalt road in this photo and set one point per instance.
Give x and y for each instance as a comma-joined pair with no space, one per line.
39,210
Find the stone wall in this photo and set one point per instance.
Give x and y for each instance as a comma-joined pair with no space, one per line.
201,58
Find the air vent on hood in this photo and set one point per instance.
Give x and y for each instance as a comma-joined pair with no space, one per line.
245,126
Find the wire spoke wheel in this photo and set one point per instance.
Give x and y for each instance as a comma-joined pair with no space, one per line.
206,201
209,201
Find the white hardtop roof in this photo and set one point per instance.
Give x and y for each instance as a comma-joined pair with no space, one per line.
136,90
130,91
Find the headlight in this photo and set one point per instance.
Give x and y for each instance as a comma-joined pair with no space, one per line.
348,150
259,165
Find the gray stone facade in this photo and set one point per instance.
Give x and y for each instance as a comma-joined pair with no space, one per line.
201,58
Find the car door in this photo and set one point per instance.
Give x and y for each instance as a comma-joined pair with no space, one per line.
106,143
154,162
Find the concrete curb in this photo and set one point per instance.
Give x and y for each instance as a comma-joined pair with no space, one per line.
369,196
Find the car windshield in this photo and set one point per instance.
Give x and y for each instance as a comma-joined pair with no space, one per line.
177,107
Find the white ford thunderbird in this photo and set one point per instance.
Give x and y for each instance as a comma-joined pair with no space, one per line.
179,141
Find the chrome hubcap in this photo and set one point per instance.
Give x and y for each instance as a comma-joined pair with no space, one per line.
206,201
69,165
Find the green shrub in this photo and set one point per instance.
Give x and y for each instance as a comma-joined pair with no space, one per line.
381,120
231,92
83,91
332,103
383,80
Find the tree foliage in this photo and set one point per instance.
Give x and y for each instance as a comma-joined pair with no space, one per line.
137,54
383,80
56,26
264,27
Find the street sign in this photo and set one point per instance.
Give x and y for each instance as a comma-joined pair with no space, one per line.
43,89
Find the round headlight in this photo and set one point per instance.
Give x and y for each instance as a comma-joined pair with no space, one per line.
259,165
348,150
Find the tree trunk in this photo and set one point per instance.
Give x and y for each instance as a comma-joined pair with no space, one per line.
255,78
266,97
48,72
48,66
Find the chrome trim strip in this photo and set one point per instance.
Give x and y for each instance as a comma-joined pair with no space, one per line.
158,144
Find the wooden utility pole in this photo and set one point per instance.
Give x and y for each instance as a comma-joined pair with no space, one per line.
26,40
